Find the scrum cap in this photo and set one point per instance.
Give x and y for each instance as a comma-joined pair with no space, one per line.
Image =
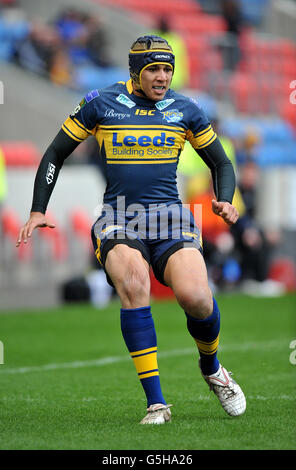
148,50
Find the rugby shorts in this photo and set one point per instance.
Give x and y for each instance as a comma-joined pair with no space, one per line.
156,232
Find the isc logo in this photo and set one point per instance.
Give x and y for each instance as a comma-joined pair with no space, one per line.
50,173
1,353
143,141
145,112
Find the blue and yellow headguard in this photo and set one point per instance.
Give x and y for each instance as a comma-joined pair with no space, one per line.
148,50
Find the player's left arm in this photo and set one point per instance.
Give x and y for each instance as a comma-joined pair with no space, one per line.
223,180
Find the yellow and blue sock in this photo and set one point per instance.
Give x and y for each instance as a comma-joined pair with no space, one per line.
206,335
139,334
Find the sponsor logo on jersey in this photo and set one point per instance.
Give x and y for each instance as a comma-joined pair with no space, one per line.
161,140
123,99
91,95
111,113
145,112
78,108
164,104
172,115
195,102
50,173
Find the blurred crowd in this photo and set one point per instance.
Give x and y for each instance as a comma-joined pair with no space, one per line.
240,256
71,50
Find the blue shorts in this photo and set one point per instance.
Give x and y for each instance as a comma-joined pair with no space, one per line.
157,233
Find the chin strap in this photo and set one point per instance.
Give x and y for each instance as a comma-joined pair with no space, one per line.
142,92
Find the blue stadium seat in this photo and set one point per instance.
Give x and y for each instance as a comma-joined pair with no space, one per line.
90,77
276,130
277,154
253,11
10,34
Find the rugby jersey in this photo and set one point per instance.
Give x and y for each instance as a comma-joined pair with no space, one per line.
140,140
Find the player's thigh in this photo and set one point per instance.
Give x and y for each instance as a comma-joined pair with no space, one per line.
128,270
186,274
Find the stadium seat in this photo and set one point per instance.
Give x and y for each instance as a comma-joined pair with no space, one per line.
288,69
157,7
283,270
243,89
275,130
276,154
81,225
10,226
20,154
56,238
288,112
253,11
196,43
198,24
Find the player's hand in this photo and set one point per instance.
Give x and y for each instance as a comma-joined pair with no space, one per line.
225,210
37,219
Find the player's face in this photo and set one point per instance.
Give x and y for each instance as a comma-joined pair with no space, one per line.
156,80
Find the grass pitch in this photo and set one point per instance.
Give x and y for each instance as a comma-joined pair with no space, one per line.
69,383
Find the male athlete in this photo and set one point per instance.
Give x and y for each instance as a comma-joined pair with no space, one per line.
141,127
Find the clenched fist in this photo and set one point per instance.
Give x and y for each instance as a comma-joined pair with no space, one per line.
225,210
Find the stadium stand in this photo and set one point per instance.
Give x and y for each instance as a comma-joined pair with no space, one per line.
10,227
255,94
80,224
56,239
20,154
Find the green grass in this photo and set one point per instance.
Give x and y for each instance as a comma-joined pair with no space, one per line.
98,406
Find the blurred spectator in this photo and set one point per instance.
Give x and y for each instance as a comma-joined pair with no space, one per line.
218,242
181,74
231,12
38,51
71,51
60,68
73,32
84,37
255,245
13,28
97,43
246,147
86,43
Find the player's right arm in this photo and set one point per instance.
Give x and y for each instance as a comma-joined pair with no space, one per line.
74,131
51,163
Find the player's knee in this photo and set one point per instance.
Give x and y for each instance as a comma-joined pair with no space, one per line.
196,302
135,286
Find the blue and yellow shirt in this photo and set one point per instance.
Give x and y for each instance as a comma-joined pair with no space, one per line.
140,140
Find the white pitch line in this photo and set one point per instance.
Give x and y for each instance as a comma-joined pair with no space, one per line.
90,363
274,344
28,399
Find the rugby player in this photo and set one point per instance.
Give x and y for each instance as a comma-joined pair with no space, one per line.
141,127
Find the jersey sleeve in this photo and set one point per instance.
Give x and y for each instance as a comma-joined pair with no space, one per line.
200,133
83,122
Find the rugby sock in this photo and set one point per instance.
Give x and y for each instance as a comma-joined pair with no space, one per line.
206,335
139,334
